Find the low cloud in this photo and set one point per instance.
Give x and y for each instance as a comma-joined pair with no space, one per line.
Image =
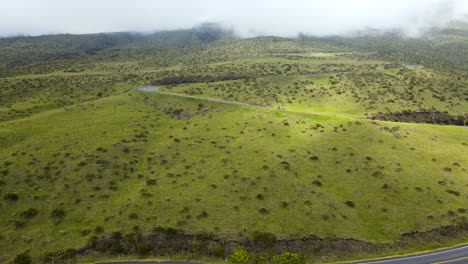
246,17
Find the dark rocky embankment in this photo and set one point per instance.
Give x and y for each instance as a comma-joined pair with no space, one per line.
168,241
427,117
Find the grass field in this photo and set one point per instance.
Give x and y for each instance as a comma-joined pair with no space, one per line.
84,154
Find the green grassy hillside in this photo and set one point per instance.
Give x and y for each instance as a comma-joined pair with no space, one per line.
84,155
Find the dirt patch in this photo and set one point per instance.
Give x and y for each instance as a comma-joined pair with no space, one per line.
427,117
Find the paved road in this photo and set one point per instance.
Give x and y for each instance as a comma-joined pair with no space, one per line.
457,255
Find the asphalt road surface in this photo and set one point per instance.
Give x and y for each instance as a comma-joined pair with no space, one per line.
457,255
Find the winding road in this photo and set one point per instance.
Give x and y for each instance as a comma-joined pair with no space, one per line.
156,89
458,255
150,88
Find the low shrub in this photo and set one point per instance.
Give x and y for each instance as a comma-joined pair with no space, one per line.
240,256
264,239
30,213
218,250
151,182
22,258
11,197
167,232
288,258
99,230
57,214
259,260
143,249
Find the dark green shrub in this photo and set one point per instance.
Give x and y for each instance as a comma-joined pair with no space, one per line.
203,236
11,197
133,216
30,213
350,204
19,224
92,242
151,182
288,258
167,232
259,260
456,193
218,250
116,248
116,235
143,249
99,230
202,215
57,214
240,256
85,232
264,239
22,258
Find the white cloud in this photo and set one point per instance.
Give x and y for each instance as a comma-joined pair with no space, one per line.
270,17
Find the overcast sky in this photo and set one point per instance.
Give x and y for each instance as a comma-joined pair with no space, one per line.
247,17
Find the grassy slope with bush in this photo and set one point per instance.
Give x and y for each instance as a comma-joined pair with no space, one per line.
83,154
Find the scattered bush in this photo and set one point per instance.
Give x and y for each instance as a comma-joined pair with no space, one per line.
57,214
288,258
99,230
151,182
240,256
259,260
456,193
378,174
202,215
143,249
85,232
22,258
19,224
133,216
30,213
167,232
317,183
264,239
11,197
350,204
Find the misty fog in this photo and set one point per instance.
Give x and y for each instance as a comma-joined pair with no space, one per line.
246,17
